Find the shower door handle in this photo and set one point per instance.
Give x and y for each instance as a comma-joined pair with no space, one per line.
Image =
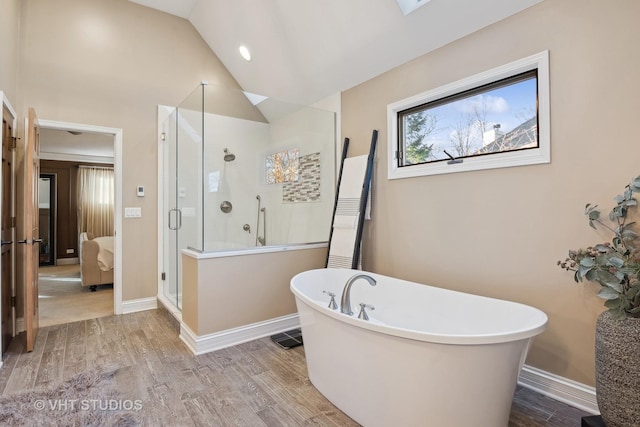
170,227
179,218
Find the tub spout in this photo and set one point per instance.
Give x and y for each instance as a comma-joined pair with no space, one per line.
345,304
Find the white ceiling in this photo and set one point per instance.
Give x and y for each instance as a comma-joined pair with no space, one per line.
90,147
181,8
305,50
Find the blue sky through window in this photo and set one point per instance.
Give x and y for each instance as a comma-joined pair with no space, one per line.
465,126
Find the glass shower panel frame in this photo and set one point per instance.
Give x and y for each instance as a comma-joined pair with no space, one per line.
190,151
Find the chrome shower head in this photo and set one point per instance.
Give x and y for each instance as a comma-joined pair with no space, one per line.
228,155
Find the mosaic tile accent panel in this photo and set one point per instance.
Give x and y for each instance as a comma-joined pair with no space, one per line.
307,188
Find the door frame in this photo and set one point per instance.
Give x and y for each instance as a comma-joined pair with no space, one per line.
4,101
116,133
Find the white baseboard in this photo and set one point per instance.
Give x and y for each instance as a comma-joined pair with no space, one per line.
67,261
134,305
20,325
559,388
230,337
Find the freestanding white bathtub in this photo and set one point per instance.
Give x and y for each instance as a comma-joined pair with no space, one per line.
426,357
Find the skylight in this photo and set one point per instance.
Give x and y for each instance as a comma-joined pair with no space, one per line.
408,6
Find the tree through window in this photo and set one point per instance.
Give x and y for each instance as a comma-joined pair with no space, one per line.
493,118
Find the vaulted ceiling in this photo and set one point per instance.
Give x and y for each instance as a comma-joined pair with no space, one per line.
305,50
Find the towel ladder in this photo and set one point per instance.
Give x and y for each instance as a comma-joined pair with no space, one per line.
366,185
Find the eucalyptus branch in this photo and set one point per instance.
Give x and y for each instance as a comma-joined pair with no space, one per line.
605,225
614,265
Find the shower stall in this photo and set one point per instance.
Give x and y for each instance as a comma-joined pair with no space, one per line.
242,173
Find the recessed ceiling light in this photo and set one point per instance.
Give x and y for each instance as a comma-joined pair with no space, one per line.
244,51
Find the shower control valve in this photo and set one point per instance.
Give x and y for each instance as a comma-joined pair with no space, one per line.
332,302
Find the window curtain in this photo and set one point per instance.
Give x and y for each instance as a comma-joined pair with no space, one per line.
95,201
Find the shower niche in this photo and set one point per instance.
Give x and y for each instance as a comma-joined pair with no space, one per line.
232,159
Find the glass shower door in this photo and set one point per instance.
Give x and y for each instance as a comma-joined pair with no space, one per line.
172,274
182,187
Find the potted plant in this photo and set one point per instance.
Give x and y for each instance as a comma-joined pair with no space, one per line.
615,265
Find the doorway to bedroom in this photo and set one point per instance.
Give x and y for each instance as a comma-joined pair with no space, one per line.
77,201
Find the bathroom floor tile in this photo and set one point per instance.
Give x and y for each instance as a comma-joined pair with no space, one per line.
257,383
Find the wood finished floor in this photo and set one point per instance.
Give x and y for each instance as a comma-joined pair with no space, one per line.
62,298
252,384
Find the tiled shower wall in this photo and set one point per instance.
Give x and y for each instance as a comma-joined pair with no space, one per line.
307,188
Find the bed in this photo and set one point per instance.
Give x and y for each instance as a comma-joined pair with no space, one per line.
96,260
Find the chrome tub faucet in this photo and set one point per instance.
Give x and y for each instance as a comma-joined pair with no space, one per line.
345,303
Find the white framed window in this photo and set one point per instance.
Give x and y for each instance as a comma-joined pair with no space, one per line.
495,119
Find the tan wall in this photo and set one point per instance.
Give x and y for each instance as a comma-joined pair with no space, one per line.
190,292
500,232
110,63
9,28
229,292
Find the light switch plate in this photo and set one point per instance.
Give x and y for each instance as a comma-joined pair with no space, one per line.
132,212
